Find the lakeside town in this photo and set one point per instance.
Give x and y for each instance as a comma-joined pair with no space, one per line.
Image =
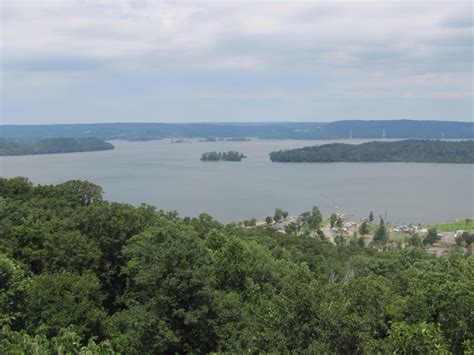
341,228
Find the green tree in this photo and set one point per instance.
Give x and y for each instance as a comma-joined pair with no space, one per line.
70,299
333,219
340,240
432,237
269,220
371,216
320,234
364,228
13,286
381,234
279,215
168,294
419,338
415,240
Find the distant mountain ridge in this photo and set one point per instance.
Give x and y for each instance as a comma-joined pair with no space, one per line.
403,129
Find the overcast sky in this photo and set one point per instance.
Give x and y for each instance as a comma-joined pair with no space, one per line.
187,61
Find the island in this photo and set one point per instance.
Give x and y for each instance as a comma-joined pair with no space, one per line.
223,156
52,145
418,151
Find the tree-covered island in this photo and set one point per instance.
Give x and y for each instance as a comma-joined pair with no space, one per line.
223,156
419,151
52,145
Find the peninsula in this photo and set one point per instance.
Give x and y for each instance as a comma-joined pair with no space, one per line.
418,151
52,145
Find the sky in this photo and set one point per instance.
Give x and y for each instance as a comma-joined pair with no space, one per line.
84,61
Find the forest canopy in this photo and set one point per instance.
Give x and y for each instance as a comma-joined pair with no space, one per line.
419,151
52,145
82,275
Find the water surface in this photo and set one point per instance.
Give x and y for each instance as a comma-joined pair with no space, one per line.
171,177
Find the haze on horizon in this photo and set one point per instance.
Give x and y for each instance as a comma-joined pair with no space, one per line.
90,61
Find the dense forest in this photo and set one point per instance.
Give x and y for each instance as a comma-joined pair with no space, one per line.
224,156
420,151
82,275
52,145
403,129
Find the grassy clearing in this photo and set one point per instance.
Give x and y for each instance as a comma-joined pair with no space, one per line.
461,224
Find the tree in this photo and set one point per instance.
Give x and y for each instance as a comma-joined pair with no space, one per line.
250,222
339,223
168,298
279,215
419,338
320,234
432,237
70,299
316,217
13,286
81,192
465,237
364,228
333,219
371,216
381,235
340,240
269,220
415,240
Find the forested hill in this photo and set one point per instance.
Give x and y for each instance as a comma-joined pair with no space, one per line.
284,130
52,145
420,151
79,275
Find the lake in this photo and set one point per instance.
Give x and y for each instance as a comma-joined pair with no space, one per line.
172,177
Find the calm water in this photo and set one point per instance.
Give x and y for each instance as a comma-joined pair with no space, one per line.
171,176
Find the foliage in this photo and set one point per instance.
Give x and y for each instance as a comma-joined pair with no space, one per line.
364,228
225,156
371,216
432,237
381,234
465,238
52,145
279,215
421,151
80,275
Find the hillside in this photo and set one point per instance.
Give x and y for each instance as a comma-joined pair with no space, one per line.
82,275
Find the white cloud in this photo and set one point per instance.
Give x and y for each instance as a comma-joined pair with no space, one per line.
373,49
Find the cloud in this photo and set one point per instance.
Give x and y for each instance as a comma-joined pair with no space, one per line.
186,51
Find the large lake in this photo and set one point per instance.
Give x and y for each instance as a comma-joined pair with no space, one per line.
171,177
